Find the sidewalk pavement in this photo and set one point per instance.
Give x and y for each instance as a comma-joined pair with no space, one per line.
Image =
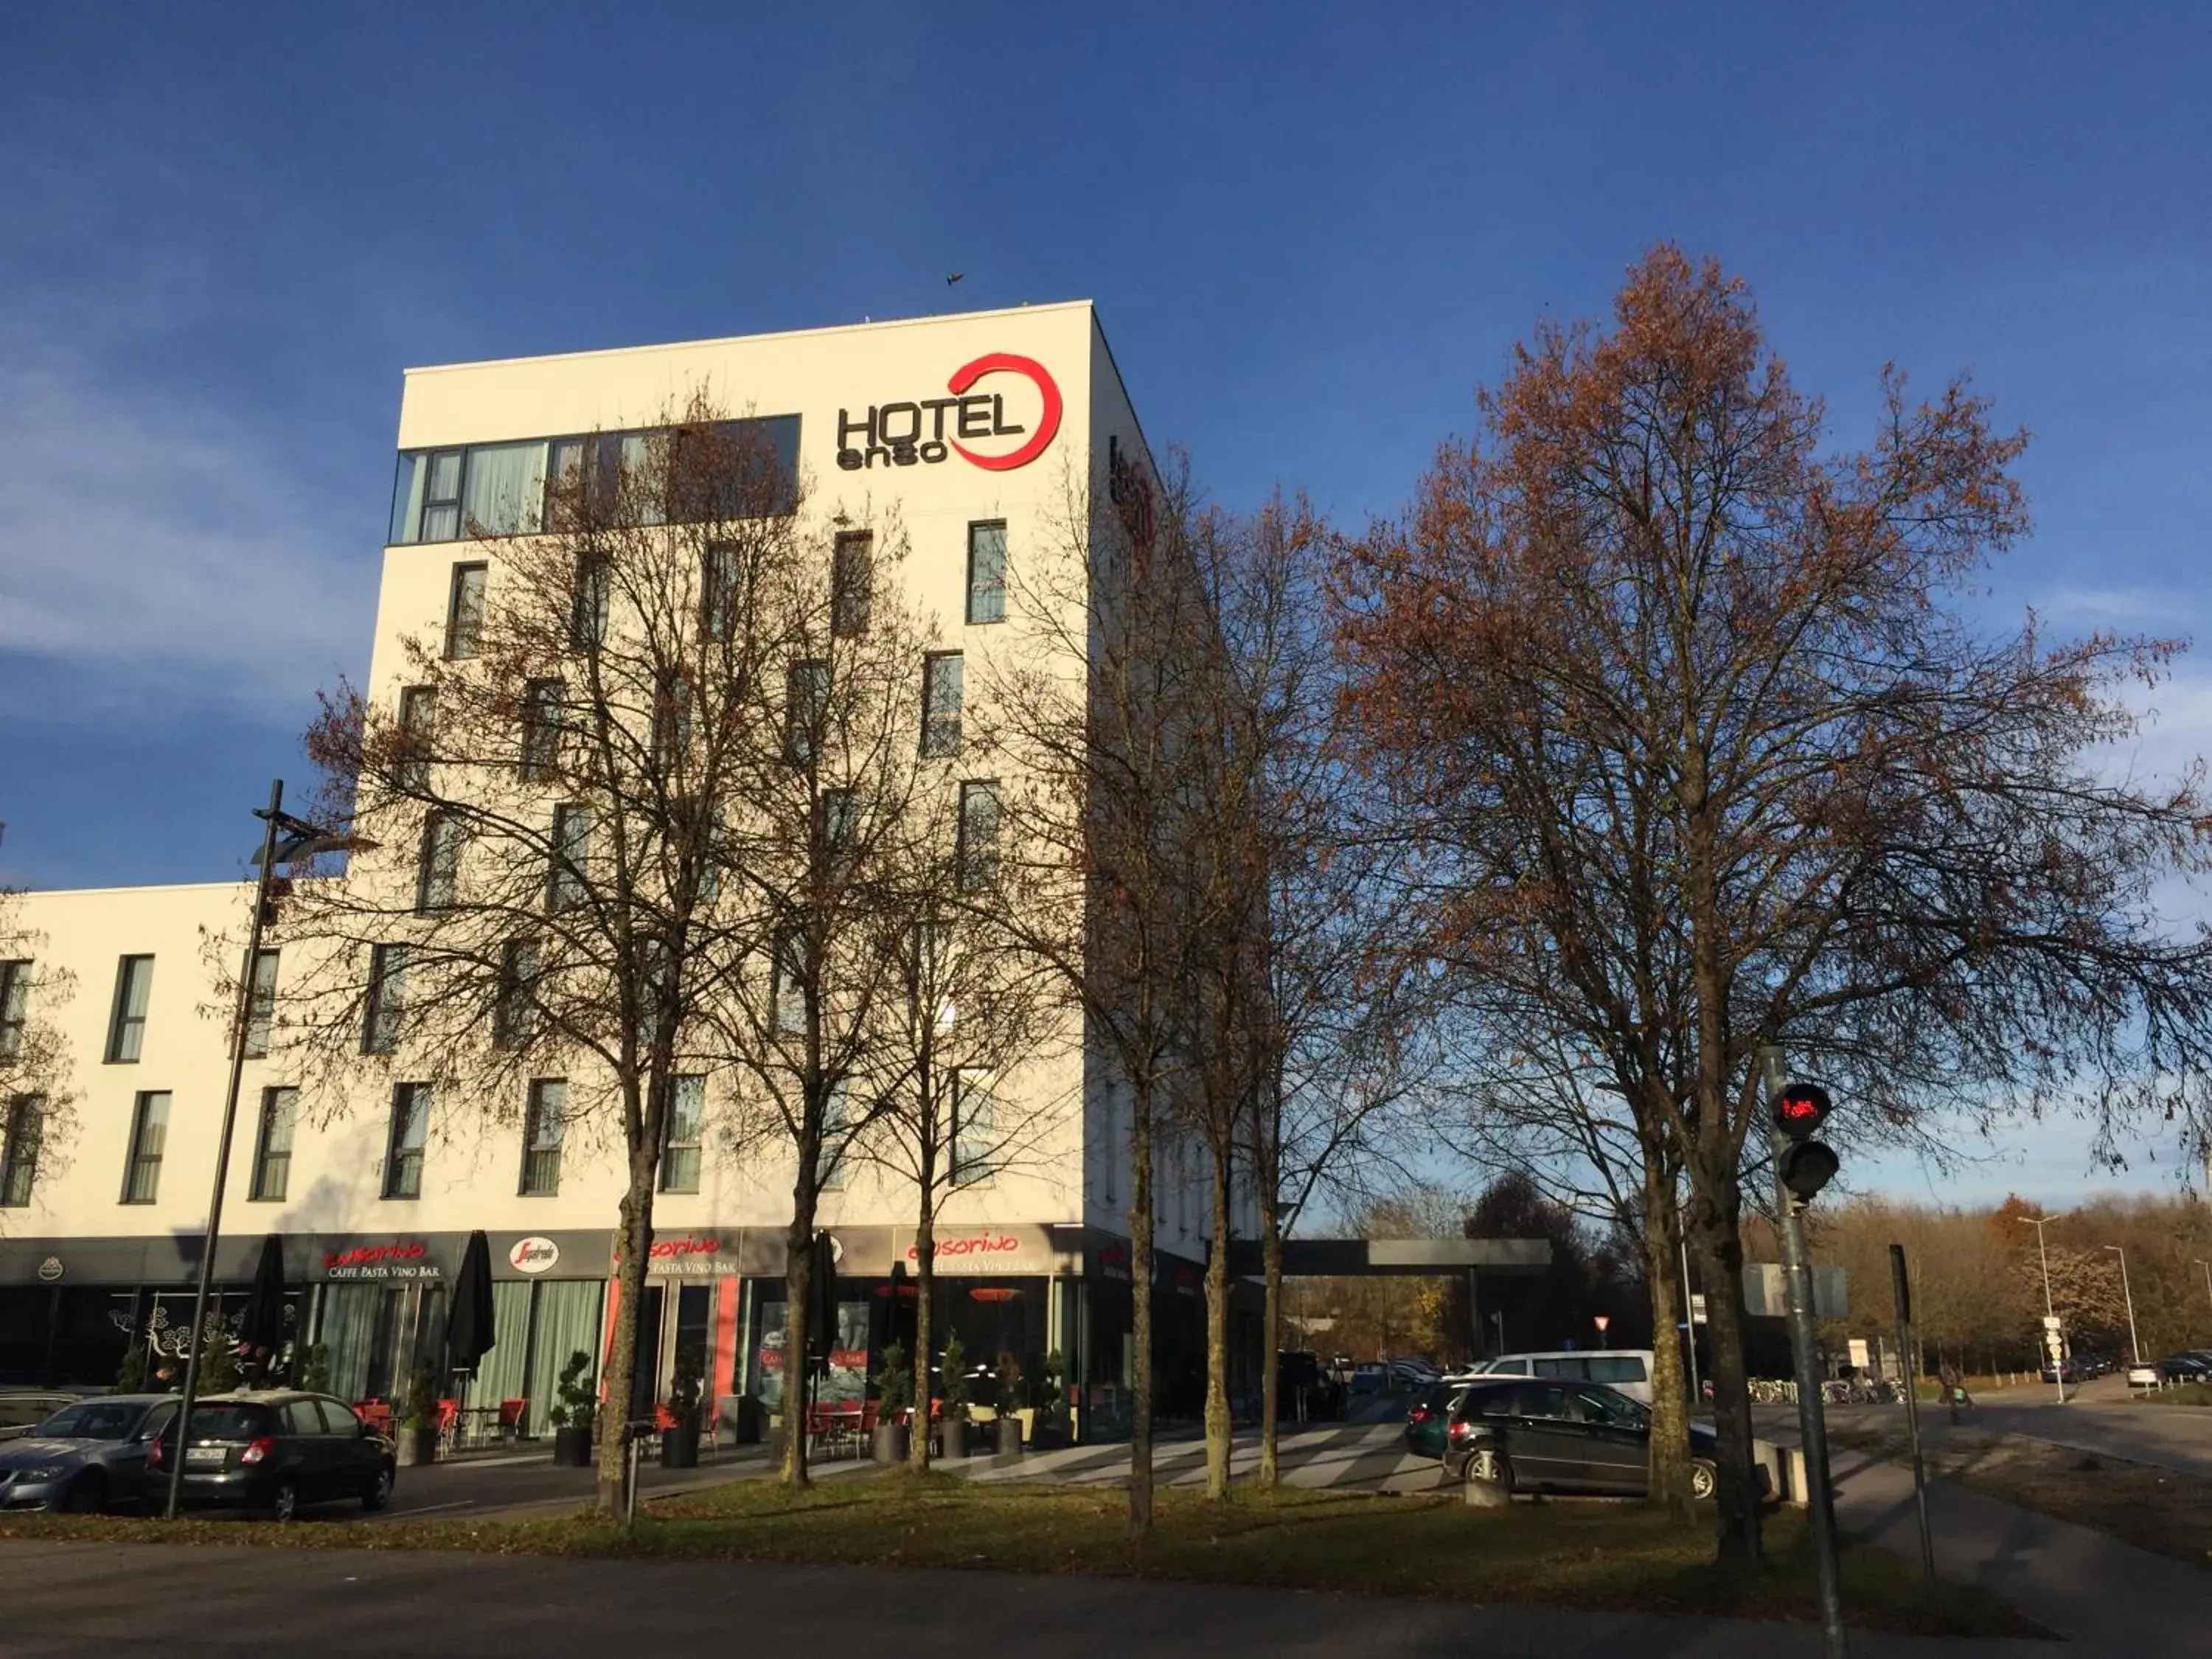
2083,1585
79,1601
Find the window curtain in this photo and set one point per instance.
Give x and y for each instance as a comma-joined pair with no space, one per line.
348,1332
504,1372
568,1320
505,486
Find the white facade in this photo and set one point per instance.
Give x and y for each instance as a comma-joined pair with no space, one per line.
1038,405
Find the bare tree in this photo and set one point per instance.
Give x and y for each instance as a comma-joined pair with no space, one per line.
37,1099
1701,758
555,785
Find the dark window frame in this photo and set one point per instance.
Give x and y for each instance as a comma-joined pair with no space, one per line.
977,866
384,1005
22,1137
852,583
14,1003
141,1169
261,1004
681,1144
272,1165
989,597
940,730
464,624
541,1154
402,1163
120,1021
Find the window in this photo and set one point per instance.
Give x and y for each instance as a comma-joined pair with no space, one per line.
979,835
149,1132
671,716
418,723
272,1144
541,1137
1612,1410
440,862
788,989
851,578
442,497
974,1143
840,826
464,613
718,592
1617,1368
987,572
19,1157
410,1127
261,1004
518,973
836,1134
572,852
544,703
387,1001
594,595
126,1028
806,702
687,1115
14,1003
941,677
501,486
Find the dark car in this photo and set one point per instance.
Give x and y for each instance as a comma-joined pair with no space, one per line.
1428,1417
2185,1368
90,1456
278,1452
1305,1391
1542,1435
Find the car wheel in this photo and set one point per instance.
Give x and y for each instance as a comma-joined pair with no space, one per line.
378,1493
284,1502
1704,1481
86,1495
1487,1465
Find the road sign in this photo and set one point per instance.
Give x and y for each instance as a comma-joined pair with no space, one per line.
1602,1321
1861,1358
1697,1308
2051,1321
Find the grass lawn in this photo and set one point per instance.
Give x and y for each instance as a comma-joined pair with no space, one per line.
1564,1553
2189,1394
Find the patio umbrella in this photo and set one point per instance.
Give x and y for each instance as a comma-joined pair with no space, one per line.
822,1302
261,1327
469,1332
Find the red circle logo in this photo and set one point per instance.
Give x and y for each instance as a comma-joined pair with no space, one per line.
1048,425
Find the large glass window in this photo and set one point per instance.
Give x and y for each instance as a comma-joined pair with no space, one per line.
942,678
261,1004
464,610
978,835
19,1155
687,1114
14,1003
386,998
133,989
272,1144
542,1131
502,487
410,1131
149,1134
987,572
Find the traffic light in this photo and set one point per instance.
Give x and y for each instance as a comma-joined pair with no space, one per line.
1805,1165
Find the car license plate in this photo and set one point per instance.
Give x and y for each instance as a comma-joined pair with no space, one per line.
204,1455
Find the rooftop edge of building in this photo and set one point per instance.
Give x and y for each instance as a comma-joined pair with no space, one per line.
927,320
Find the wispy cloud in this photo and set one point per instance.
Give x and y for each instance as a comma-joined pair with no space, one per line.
2158,611
153,549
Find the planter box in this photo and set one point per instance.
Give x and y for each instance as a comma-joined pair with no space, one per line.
415,1445
679,1447
887,1444
1010,1435
572,1448
955,1441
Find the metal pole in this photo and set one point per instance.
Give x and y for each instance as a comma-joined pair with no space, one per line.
1901,1288
1812,1418
2207,1266
2051,1346
222,1145
1690,1327
2135,1342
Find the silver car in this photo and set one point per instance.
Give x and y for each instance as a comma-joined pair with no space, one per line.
90,1456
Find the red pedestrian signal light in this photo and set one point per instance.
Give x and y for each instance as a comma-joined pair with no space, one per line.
1800,1108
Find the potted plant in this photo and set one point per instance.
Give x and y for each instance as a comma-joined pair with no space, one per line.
894,1393
1010,1397
575,1405
315,1369
1051,1402
679,1441
131,1374
955,1386
418,1417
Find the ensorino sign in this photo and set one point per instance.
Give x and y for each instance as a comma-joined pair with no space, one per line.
923,431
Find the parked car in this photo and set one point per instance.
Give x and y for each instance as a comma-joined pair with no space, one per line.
1304,1392
1369,1376
1544,1435
1628,1369
1428,1417
2066,1369
2185,1368
277,1452
22,1410
90,1456
1410,1373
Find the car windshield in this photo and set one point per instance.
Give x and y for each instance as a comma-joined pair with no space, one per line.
93,1419
228,1422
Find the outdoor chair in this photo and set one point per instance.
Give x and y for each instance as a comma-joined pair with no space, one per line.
511,1413
449,1417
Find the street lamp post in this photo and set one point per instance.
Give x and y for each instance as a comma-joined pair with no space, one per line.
2207,1266
2134,1343
2050,1313
301,839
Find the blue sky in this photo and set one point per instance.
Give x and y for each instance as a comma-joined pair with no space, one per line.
1312,231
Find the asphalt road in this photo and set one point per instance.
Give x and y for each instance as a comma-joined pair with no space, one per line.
93,1601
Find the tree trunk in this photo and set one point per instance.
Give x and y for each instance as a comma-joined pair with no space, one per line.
1271,1335
1720,1260
925,1276
1217,1444
635,1244
1671,1406
797,1370
1140,1308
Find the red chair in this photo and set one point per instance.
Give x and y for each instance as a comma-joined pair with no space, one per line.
449,1417
376,1413
511,1413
